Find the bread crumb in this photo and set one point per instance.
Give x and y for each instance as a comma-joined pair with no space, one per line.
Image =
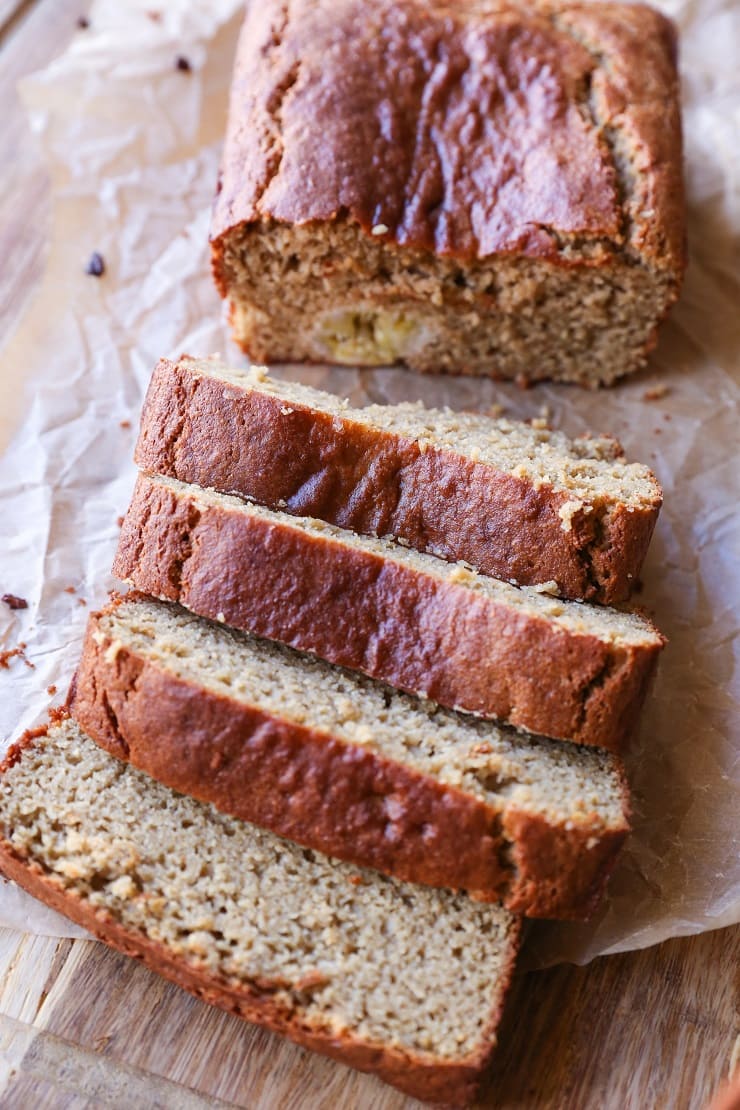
125,424
566,512
123,887
51,690
550,588
655,392
380,229
459,573
14,602
15,653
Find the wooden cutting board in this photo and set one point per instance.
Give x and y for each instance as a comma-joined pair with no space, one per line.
82,1027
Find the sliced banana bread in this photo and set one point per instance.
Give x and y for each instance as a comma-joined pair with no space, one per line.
482,187
564,669
338,762
517,502
403,981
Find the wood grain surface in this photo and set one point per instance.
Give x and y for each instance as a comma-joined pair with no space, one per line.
82,1027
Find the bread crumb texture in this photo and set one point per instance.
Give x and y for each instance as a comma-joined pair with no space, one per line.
382,960
560,781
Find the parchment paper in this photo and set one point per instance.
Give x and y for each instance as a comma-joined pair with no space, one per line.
132,143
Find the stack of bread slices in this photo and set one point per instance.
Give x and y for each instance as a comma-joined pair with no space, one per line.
361,711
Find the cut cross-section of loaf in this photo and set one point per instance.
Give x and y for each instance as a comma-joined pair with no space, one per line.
338,762
564,669
517,502
403,981
476,187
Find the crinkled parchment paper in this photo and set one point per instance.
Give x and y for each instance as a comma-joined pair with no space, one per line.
133,146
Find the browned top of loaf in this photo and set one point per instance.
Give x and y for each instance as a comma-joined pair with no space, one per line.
469,128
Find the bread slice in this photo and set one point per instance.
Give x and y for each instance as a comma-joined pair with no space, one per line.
565,669
403,981
480,188
340,763
516,502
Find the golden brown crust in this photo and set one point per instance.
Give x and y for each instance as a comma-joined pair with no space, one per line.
440,152
345,800
229,437
434,637
422,1077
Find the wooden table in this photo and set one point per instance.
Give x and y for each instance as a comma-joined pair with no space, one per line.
81,1027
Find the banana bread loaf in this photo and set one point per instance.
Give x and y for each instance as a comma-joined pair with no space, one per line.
564,669
403,981
342,764
517,502
482,187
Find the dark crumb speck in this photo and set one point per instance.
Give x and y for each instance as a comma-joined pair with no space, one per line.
156,17
182,63
119,521
70,590
658,431
96,265
81,601
14,602
51,690
83,22
125,423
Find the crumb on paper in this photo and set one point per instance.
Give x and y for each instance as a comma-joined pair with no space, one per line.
156,17
119,521
70,590
15,653
81,601
183,64
14,602
83,22
125,424
655,392
95,265
51,690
